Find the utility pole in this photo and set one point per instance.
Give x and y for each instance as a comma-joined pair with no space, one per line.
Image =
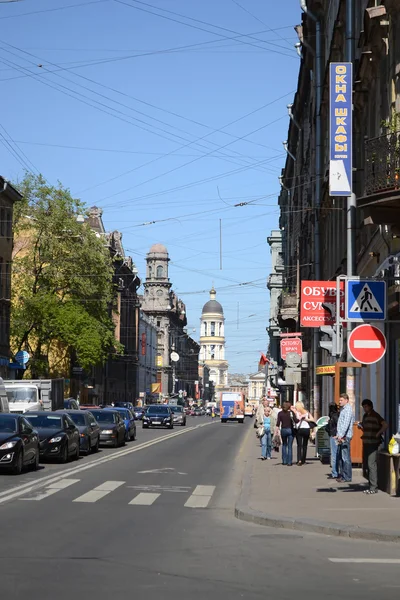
351,200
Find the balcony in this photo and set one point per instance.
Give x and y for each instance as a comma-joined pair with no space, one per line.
382,180
288,309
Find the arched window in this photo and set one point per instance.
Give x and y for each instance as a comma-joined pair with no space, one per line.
160,271
150,271
205,328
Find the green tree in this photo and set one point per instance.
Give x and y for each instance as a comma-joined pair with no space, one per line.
61,282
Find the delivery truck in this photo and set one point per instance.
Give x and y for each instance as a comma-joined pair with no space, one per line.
34,394
231,407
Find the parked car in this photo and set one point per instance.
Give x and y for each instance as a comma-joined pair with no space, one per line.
196,412
208,411
89,430
71,404
90,407
129,421
178,414
58,435
19,443
187,410
112,427
158,415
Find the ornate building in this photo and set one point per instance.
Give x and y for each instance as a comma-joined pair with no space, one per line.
212,341
168,314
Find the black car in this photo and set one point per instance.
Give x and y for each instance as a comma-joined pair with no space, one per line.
158,415
124,405
89,430
139,411
19,443
58,435
112,427
71,404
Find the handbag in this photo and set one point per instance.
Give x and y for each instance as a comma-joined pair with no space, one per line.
260,431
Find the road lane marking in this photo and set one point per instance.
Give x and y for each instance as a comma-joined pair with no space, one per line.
144,499
367,561
200,497
159,488
53,488
100,491
24,488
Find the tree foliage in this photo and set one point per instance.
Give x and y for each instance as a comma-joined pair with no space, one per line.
61,282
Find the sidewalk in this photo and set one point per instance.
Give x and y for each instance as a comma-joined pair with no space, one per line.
303,498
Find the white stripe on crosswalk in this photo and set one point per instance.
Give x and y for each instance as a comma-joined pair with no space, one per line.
144,499
201,496
100,491
53,488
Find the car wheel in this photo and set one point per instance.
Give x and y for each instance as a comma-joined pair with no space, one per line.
115,444
76,455
17,469
133,438
144,426
35,464
65,454
96,446
171,426
223,420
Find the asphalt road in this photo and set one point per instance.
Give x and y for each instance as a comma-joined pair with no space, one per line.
155,521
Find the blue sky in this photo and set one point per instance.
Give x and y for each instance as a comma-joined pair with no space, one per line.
161,110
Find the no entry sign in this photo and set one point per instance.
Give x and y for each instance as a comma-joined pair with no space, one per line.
293,345
367,344
313,295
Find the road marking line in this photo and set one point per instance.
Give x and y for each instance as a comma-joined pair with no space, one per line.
109,486
200,497
372,344
144,499
44,481
53,488
368,561
159,488
100,491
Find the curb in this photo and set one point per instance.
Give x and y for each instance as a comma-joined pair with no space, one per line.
243,512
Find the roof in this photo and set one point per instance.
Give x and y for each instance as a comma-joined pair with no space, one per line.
213,306
158,249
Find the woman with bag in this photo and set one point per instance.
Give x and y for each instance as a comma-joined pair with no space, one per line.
285,423
266,435
303,429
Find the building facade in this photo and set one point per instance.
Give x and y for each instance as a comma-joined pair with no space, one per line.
168,314
212,341
147,363
314,224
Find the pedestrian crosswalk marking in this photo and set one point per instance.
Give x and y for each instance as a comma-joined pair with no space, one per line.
53,488
100,491
144,499
200,497
366,302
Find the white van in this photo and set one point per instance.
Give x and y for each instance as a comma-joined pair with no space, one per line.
4,406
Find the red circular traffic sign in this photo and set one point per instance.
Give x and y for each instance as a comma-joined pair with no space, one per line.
367,344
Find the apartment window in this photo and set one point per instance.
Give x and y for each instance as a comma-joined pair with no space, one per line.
2,290
9,224
160,271
158,323
212,328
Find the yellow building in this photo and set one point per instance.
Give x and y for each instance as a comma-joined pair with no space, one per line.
212,341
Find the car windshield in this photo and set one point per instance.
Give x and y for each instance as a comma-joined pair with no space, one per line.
8,425
45,421
78,419
124,414
104,416
155,410
22,394
176,409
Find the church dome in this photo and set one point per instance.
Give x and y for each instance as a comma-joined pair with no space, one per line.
158,249
213,306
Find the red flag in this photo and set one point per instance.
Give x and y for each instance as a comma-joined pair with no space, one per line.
263,360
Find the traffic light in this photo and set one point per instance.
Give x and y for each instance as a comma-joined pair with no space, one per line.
330,343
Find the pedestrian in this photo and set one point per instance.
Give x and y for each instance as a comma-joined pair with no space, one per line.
266,437
344,436
302,431
331,429
213,412
373,426
285,422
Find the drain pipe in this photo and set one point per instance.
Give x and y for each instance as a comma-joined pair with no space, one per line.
316,405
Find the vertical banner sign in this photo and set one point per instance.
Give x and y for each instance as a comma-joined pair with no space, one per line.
341,129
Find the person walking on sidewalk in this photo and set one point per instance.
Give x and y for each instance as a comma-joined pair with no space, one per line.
373,426
344,436
266,438
285,423
303,430
331,429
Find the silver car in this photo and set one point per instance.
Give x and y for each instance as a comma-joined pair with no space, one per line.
179,415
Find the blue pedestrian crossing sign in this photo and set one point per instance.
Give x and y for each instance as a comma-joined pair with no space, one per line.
365,300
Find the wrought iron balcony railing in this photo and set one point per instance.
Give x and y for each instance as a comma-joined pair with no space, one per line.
382,165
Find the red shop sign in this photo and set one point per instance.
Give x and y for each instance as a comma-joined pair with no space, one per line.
313,295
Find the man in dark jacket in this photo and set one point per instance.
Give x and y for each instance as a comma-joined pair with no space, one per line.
332,431
373,426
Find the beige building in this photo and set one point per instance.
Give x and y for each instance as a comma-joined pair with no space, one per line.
212,341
